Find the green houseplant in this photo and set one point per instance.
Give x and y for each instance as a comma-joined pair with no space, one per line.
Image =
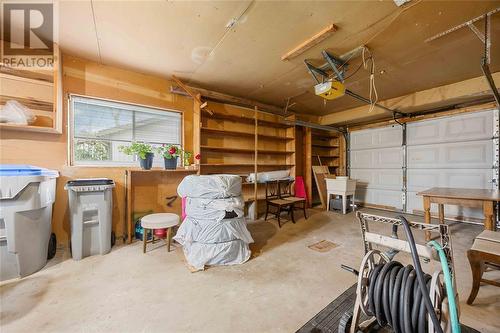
143,150
186,158
170,155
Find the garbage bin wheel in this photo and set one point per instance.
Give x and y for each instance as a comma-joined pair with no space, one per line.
51,251
113,238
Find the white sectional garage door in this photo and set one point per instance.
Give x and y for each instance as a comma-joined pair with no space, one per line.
376,161
457,151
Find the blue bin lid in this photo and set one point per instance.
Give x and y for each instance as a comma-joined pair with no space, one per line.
25,170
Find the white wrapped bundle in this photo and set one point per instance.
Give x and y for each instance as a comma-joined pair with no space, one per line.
229,253
210,186
214,209
263,177
211,231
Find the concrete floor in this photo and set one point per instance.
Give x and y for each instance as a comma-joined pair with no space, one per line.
278,290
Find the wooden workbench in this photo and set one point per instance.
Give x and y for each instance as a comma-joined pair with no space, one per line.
148,190
465,197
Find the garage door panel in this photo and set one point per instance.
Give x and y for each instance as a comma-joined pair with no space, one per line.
475,154
422,179
385,158
469,127
376,138
386,198
390,179
415,205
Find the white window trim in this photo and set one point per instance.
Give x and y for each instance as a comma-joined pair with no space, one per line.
71,161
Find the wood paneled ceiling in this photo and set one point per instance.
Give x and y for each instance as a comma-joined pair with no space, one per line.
235,47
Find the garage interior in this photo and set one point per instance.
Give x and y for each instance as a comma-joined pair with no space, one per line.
250,166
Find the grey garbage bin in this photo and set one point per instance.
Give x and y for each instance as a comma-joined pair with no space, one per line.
27,194
91,210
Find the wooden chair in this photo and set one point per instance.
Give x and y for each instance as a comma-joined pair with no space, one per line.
273,199
285,189
485,253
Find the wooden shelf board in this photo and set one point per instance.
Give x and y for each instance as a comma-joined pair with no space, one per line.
247,150
271,137
29,128
249,120
244,165
28,74
237,133
326,146
325,135
160,170
325,156
226,132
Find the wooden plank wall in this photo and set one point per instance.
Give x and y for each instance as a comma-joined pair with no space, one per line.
51,151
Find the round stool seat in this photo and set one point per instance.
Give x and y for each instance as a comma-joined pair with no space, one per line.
160,221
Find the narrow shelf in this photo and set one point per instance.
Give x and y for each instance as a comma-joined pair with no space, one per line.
272,137
320,136
244,165
160,170
325,156
29,128
325,146
247,150
247,134
226,132
250,120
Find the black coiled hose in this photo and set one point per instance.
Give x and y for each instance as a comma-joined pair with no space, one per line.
395,298
398,295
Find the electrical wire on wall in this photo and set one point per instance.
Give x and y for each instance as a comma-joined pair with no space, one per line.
373,89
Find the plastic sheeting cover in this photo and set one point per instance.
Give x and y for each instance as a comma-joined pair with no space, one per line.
200,208
210,186
211,231
263,177
229,253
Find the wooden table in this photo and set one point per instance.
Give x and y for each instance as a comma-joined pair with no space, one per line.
474,198
151,190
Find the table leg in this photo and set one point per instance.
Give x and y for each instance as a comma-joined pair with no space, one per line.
144,239
441,213
169,235
328,201
344,203
427,216
488,212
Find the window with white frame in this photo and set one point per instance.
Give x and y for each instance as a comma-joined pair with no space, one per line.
99,127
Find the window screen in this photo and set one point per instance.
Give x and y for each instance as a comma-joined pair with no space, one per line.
99,127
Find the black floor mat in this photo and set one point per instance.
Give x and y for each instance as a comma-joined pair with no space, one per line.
327,320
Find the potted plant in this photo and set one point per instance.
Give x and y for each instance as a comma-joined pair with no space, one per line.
186,158
170,155
143,150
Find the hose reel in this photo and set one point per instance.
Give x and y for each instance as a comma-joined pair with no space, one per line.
399,296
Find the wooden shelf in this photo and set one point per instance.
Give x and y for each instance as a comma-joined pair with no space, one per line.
29,128
244,165
271,137
237,133
226,132
163,170
40,90
248,120
325,156
326,146
246,150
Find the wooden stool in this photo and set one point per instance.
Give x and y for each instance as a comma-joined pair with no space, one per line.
485,253
158,221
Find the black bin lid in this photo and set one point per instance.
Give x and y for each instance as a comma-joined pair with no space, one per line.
90,182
